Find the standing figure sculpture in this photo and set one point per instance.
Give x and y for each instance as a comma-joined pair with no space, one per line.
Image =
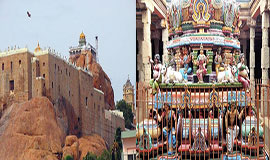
232,130
184,61
201,62
171,60
169,120
243,72
219,61
156,67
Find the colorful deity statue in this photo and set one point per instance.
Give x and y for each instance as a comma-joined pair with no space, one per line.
169,121
156,67
171,60
232,130
184,61
243,72
217,12
201,62
219,61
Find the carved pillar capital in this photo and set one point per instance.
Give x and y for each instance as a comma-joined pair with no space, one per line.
251,22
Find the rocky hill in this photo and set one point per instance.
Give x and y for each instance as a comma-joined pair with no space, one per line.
31,130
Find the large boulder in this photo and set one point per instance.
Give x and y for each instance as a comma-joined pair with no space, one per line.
71,147
29,130
94,144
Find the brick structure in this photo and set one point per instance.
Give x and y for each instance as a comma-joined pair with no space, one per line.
45,73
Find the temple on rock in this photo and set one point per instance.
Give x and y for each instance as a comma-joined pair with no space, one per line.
25,74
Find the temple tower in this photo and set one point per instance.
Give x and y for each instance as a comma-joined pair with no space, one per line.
128,94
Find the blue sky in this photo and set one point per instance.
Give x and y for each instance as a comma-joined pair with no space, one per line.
58,24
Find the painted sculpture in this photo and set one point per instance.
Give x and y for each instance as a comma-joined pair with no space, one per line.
169,120
243,72
171,60
219,62
232,130
156,67
184,61
199,142
201,62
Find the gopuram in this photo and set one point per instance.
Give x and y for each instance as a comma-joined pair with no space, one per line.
198,102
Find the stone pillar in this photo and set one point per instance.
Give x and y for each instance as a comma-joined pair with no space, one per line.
146,48
264,58
265,48
252,24
164,40
244,42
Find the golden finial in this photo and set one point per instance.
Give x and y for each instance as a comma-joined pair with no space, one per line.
38,48
82,36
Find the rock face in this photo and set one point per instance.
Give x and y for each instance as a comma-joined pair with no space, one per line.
100,78
71,147
30,131
37,130
94,144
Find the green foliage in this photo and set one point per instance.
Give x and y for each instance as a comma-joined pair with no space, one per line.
104,156
117,146
117,137
68,157
90,156
127,112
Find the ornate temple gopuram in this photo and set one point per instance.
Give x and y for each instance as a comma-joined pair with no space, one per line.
203,97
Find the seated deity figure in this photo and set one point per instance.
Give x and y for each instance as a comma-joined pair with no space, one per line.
201,62
232,130
184,61
169,121
171,60
199,141
156,67
243,72
219,61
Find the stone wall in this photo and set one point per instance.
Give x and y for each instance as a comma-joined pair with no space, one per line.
14,73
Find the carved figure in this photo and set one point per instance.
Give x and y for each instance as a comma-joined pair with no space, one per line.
227,75
156,67
219,62
231,128
217,5
169,120
201,62
171,60
243,72
185,60
199,141
170,76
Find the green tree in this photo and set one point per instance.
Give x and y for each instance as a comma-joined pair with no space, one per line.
68,157
127,112
117,145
